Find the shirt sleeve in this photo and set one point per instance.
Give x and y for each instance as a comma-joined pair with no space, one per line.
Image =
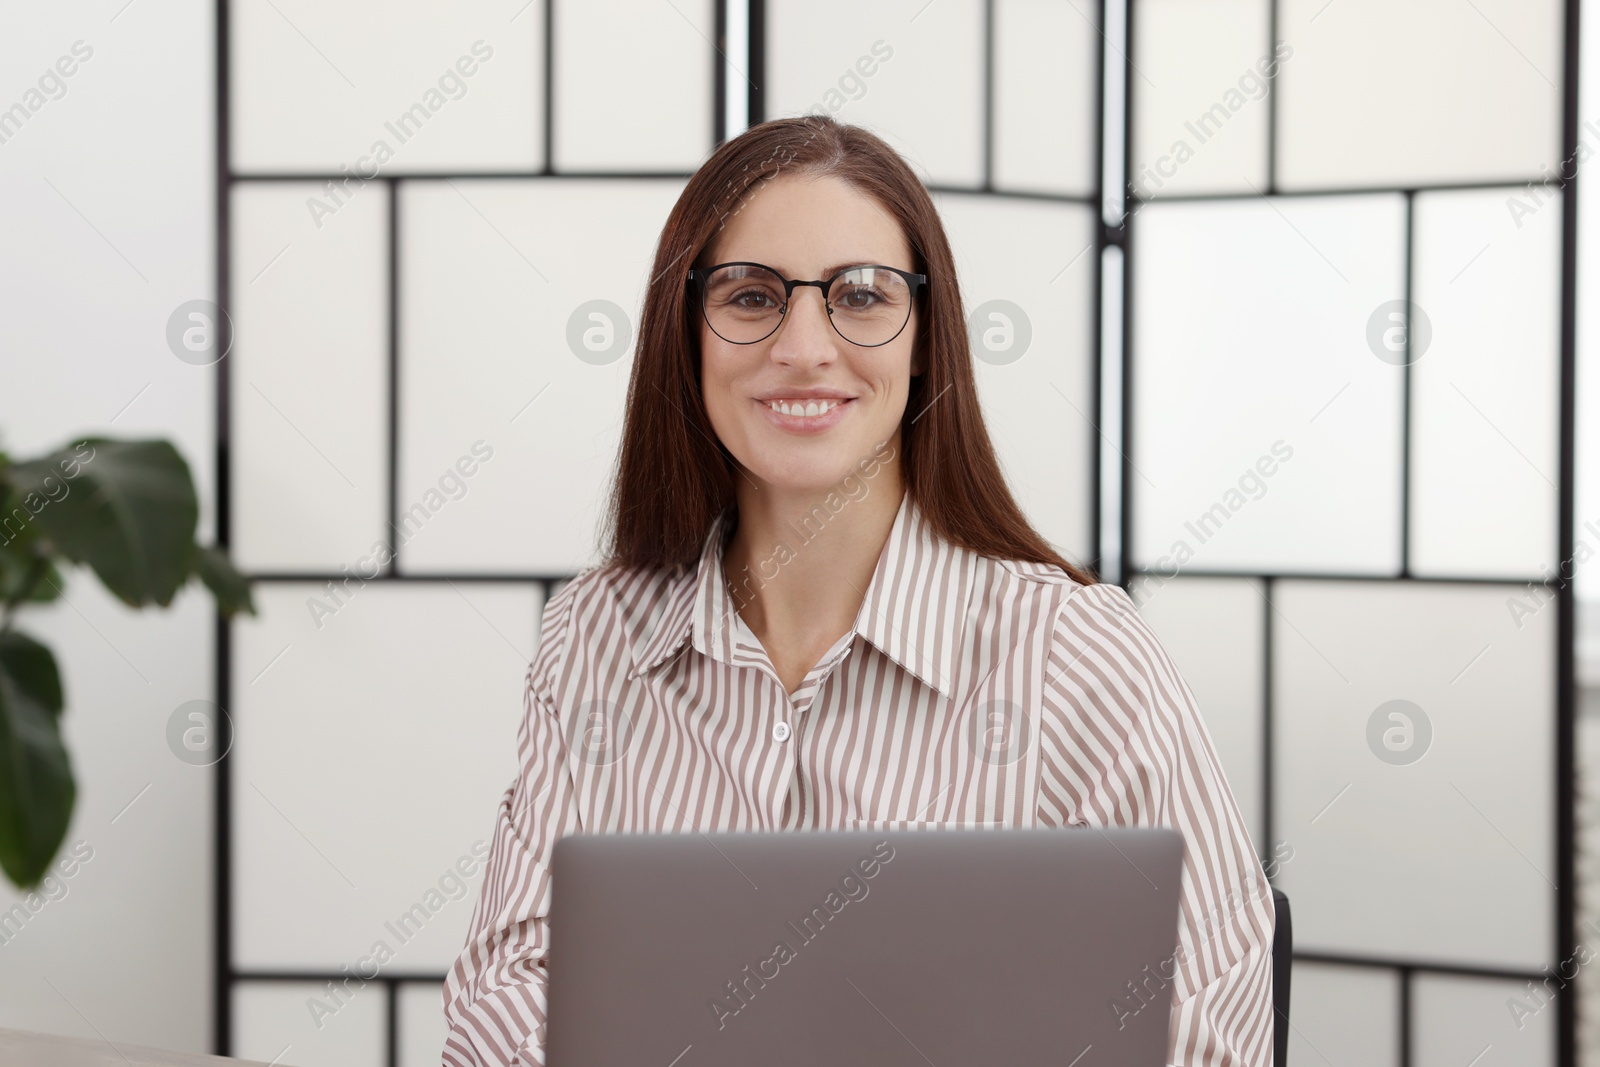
495,994
1123,744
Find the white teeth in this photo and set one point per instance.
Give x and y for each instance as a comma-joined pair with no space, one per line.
806,409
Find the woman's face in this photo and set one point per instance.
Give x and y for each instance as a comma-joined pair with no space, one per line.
807,228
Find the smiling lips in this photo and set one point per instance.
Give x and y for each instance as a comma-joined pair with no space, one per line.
806,415
804,408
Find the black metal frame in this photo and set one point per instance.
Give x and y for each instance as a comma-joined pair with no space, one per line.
1107,235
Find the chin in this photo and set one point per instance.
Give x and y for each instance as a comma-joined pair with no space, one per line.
815,473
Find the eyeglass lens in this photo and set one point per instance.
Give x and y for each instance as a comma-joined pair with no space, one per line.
744,304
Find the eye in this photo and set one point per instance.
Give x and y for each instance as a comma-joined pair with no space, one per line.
754,299
860,297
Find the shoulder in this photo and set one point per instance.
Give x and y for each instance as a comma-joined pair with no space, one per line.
1103,620
1091,625
610,585
1043,605
1043,573
1104,657
1059,593
1040,593
605,610
1104,596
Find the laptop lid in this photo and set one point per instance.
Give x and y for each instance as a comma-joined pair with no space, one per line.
894,948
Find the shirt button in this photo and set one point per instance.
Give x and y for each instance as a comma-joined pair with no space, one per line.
780,731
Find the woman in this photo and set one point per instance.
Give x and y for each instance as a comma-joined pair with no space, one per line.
822,608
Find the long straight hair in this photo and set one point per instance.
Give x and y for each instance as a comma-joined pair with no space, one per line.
673,477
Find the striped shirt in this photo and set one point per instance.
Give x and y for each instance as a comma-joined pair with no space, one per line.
969,691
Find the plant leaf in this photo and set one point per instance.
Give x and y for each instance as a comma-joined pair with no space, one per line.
36,787
14,570
126,508
19,535
231,588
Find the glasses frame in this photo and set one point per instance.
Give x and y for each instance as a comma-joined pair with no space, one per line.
698,276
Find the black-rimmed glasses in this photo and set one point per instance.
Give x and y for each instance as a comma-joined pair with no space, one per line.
746,302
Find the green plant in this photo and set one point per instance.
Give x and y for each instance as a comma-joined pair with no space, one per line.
127,510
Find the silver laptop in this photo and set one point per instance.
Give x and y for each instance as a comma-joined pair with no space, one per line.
889,948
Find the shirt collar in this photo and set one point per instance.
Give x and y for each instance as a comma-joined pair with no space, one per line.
914,610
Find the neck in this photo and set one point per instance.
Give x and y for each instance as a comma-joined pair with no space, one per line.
799,561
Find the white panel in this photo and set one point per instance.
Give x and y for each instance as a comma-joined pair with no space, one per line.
370,754
1486,1023
1200,108
1449,856
493,274
1344,1016
1379,93
319,87
310,377
1047,53
281,1022
1484,427
910,71
422,1028
1249,330
1587,388
1212,628
1039,404
633,87
1113,287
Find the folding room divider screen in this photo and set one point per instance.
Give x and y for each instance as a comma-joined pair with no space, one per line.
1273,312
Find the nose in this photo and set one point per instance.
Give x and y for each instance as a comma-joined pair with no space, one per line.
806,336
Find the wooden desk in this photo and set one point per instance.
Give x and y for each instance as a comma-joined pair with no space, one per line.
25,1048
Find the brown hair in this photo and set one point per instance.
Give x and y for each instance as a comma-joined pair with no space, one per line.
673,477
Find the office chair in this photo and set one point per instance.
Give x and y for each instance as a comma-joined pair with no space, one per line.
1282,953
